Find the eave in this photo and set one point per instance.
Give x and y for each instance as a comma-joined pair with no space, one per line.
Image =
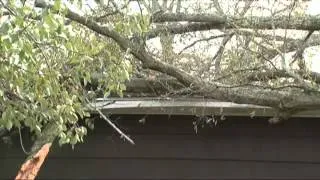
187,106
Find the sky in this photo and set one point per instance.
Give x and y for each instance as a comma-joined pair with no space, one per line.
314,7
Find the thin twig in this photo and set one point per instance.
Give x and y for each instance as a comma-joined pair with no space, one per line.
21,143
218,56
236,72
115,127
112,124
118,10
200,40
299,52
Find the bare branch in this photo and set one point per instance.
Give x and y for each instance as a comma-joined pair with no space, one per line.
116,11
255,22
201,40
218,56
218,7
114,126
267,75
182,28
170,8
242,95
232,73
299,52
174,17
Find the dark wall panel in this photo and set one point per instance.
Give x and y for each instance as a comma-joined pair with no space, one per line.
177,169
196,147
168,148
170,169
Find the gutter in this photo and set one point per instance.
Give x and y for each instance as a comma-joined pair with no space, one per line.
187,106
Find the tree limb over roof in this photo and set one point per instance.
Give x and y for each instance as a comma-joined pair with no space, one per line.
289,99
306,23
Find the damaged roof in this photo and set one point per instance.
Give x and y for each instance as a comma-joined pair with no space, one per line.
186,106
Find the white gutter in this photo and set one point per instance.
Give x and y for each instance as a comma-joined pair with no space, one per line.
187,106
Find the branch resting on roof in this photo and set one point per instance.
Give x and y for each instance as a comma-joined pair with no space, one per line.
241,95
307,23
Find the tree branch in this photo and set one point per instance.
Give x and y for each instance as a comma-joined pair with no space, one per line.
38,153
114,126
182,28
218,56
299,52
253,22
204,39
267,75
242,95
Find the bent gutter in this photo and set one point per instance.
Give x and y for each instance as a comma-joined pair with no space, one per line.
187,106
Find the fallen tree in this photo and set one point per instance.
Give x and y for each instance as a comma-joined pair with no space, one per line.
249,66
273,98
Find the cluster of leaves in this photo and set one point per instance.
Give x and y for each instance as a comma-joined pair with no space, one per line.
45,63
132,25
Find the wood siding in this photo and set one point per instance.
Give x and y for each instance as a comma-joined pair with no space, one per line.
169,148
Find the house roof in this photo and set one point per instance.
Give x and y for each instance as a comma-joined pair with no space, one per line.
186,106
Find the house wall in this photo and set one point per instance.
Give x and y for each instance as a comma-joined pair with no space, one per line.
169,148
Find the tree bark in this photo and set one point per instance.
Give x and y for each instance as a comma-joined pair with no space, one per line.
267,75
253,22
31,167
38,154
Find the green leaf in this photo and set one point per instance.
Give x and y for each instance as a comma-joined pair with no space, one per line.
4,28
19,21
122,87
9,125
44,64
57,5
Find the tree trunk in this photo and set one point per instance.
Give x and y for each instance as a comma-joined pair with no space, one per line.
31,167
38,154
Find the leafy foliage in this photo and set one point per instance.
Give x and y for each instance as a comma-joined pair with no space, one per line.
45,65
